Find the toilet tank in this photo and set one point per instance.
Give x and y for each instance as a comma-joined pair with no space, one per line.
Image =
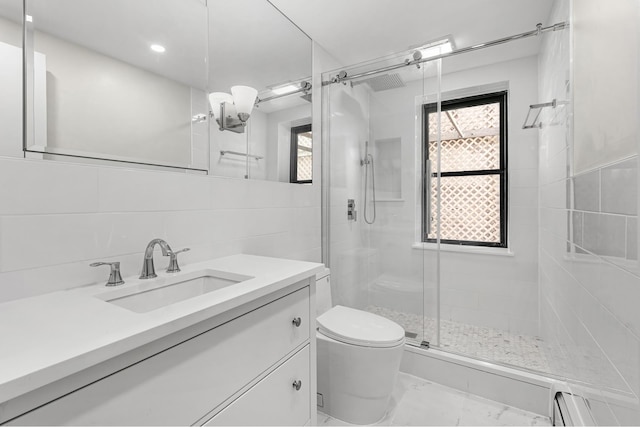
323,292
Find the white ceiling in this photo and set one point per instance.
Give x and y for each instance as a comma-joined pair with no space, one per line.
250,43
354,31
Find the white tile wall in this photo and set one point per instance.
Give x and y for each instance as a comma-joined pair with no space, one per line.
589,284
57,217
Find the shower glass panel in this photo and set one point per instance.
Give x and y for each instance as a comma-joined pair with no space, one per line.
373,152
489,299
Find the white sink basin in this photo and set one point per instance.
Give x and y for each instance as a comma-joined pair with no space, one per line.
162,292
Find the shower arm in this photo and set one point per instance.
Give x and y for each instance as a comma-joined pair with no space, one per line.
343,77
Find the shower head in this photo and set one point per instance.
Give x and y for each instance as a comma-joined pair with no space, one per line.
306,97
382,82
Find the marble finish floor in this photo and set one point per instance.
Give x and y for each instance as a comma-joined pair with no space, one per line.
419,402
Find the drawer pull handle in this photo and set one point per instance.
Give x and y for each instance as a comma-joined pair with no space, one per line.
297,321
297,384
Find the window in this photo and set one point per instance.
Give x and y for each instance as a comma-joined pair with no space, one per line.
301,155
473,178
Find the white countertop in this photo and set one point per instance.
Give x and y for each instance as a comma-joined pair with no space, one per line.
51,336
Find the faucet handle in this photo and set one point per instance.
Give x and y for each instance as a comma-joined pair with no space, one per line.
114,276
173,260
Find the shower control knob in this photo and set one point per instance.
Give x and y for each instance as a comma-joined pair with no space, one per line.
297,322
297,384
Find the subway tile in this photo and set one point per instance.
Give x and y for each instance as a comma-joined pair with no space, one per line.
554,195
604,234
186,228
460,299
46,240
555,168
229,193
43,187
523,178
126,233
586,189
525,196
226,225
619,188
525,154
620,345
124,190
523,215
621,295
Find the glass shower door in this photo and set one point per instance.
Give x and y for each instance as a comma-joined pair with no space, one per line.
373,177
487,204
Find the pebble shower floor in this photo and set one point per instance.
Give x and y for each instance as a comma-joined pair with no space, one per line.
516,350
475,341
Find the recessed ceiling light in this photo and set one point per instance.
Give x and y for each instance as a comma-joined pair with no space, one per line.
436,49
158,48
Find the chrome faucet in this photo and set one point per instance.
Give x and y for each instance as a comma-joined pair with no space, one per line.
148,269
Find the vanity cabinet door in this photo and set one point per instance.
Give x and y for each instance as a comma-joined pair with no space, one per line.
274,400
182,384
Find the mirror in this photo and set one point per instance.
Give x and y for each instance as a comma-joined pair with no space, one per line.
96,90
251,43
118,80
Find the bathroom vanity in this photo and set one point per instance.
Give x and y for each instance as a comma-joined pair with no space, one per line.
224,342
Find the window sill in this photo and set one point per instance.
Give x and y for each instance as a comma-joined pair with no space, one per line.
481,250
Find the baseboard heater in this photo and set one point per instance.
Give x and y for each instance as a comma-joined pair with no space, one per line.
571,410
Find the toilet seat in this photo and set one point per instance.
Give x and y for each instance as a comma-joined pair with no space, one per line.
359,328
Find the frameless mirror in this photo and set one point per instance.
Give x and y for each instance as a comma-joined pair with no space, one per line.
118,80
251,43
123,80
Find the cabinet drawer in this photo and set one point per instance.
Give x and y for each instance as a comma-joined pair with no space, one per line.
274,400
183,383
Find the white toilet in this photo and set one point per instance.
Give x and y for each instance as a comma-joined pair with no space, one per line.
359,356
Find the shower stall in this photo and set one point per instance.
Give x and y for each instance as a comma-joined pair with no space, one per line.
445,158
422,149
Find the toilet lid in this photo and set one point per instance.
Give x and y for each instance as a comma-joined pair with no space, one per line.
359,327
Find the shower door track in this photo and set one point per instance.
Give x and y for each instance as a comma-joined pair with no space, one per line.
343,77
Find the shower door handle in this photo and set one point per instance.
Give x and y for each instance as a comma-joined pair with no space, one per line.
427,184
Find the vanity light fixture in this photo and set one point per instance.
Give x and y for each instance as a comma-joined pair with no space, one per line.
232,111
158,48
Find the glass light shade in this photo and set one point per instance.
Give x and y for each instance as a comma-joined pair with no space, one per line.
244,98
216,98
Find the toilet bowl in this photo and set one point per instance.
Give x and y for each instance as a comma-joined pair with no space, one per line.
358,355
